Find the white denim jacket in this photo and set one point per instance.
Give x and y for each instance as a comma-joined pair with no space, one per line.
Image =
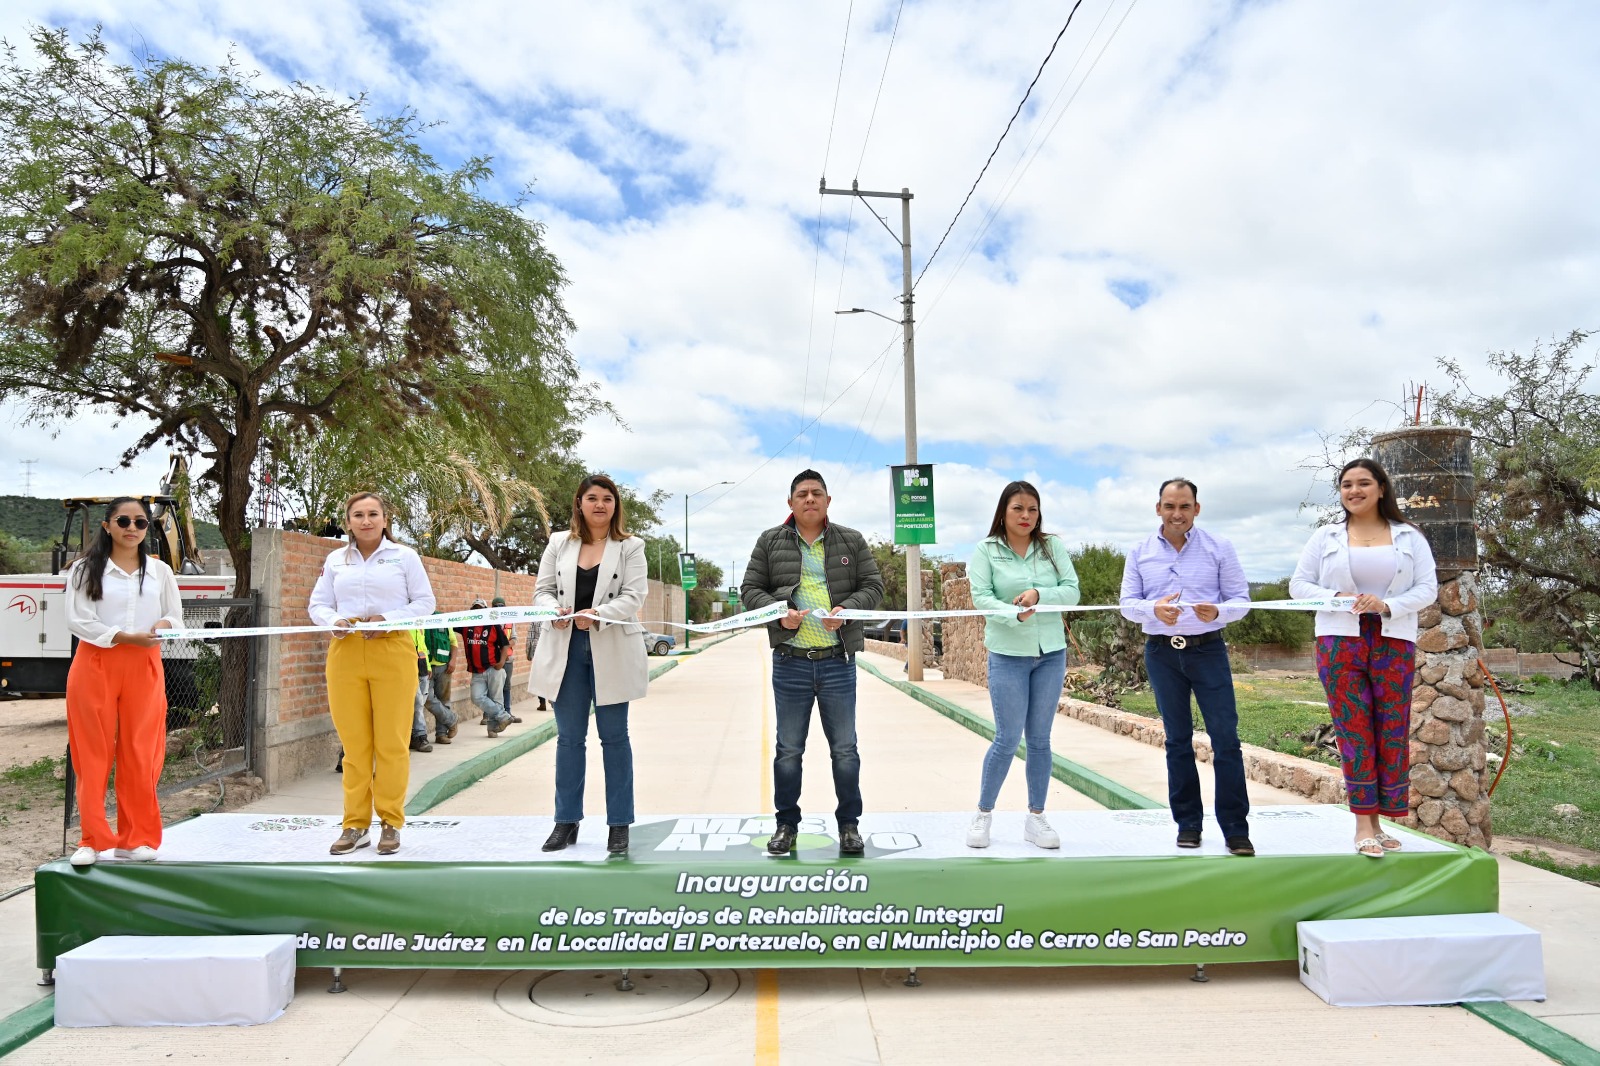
1324,570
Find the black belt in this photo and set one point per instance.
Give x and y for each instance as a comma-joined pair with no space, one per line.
796,652
1180,641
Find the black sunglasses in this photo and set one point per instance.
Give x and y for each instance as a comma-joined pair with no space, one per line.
137,523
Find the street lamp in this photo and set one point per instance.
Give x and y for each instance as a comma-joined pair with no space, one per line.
913,551
686,552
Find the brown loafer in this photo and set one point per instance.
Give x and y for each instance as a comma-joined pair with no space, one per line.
388,840
350,840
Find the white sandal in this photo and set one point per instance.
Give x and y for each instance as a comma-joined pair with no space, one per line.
1371,847
1387,842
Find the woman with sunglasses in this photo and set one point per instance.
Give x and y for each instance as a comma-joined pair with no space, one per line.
372,681
117,598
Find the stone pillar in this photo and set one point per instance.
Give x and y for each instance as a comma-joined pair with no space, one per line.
1431,469
930,657
965,658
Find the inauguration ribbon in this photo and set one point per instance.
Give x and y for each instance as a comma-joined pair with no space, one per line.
760,616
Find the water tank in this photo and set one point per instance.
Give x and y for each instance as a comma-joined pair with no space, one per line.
1431,469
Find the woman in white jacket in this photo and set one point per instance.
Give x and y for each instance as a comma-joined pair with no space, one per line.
596,574
1366,655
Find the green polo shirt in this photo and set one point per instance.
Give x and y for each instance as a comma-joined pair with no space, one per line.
812,595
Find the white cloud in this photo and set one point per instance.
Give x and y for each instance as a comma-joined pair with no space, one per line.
1322,200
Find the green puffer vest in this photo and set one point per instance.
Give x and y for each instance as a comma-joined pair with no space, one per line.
773,572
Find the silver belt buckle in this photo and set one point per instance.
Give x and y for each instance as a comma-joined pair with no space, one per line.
1178,641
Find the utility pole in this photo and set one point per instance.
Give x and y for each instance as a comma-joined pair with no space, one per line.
27,476
913,551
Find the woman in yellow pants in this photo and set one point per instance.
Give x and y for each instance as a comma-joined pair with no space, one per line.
117,597
372,677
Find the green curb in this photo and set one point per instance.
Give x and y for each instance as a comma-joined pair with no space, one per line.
1541,1036
466,774
19,1027
1075,776
711,642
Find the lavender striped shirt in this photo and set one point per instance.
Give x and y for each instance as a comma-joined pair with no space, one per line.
1207,570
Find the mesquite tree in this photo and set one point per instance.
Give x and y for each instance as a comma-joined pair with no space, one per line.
1534,450
240,264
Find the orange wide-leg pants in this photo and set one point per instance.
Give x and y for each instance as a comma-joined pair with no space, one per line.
372,689
117,712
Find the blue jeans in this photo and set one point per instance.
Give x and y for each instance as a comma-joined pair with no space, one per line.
1025,692
1204,672
505,689
831,684
443,717
486,694
572,733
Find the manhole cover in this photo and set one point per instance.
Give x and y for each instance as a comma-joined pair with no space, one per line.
591,998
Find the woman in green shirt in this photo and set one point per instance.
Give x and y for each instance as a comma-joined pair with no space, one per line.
1020,566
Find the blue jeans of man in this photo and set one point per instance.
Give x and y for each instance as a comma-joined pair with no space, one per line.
443,716
505,689
1202,671
831,685
572,734
1024,692
486,694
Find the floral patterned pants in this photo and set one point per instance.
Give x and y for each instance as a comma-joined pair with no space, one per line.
1368,681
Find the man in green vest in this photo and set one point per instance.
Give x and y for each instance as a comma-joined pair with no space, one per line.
439,644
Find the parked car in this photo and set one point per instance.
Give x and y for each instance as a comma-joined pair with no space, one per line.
893,630
659,643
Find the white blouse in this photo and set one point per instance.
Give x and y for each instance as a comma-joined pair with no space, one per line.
124,606
390,583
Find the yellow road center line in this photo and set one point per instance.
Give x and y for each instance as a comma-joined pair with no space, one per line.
766,980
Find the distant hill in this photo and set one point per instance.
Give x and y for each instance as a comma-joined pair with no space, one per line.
39,520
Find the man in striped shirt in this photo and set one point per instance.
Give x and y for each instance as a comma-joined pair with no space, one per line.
1171,584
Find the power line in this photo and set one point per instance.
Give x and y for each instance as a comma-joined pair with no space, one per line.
881,77
816,263
1001,141
999,203
785,446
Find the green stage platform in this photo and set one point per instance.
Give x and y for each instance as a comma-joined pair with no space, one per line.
698,891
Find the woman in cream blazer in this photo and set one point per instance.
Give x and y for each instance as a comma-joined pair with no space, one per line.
594,573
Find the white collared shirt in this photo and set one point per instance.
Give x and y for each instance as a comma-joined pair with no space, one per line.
390,583
124,606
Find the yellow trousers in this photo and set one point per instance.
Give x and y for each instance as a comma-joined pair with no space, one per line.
372,686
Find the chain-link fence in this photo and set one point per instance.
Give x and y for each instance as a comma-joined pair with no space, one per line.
211,695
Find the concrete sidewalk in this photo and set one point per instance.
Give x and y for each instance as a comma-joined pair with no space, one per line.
702,744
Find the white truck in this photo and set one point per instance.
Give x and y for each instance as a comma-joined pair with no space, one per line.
35,645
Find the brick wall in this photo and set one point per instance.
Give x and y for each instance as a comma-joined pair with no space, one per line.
294,733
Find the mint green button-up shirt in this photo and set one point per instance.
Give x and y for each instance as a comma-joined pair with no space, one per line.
998,575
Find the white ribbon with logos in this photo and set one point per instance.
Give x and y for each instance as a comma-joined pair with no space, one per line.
761,616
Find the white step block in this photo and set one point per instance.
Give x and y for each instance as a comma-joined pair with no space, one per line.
1421,960
176,980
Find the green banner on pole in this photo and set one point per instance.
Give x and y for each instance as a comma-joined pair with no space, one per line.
686,570
733,598
913,504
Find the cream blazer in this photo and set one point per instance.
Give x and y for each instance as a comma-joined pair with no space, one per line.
621,673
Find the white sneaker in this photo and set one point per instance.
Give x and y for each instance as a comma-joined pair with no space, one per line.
142,853
84,856
1037,831
978,831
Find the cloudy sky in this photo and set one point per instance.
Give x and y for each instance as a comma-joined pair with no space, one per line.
1216,232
